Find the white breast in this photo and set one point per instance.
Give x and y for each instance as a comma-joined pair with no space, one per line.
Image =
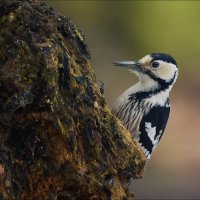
131,112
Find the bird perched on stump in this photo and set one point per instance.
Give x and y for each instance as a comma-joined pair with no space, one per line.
144,108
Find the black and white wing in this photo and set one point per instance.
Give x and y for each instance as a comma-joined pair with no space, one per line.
152,128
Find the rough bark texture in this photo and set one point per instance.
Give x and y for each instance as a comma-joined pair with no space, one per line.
58,138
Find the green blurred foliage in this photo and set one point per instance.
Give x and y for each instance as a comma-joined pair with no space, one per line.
142,26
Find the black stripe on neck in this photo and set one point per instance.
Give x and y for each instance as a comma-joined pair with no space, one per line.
163,86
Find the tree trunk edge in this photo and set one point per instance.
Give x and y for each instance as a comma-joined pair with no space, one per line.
59,139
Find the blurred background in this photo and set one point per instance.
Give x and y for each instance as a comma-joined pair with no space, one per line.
128,30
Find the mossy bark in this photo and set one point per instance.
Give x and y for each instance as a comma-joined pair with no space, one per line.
58,138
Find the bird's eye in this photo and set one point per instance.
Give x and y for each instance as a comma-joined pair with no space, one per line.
155,64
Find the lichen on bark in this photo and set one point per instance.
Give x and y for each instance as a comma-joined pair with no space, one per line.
58,138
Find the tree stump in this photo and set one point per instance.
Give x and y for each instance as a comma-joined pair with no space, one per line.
58,138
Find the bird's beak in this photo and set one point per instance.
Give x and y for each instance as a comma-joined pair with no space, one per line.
133,65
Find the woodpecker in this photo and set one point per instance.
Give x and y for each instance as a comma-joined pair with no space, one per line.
144,108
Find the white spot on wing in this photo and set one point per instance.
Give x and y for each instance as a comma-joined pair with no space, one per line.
151,131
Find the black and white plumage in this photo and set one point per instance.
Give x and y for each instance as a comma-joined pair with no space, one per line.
144,108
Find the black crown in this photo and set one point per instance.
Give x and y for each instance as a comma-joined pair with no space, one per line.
164,57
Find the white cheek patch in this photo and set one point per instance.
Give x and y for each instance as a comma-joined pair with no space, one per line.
166,71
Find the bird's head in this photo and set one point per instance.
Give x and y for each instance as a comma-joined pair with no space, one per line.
156,69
